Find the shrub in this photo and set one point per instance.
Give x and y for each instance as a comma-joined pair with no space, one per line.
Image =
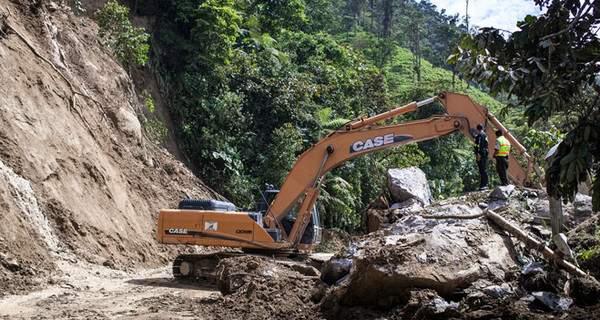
129,44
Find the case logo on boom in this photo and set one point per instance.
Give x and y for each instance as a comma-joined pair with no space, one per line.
378,141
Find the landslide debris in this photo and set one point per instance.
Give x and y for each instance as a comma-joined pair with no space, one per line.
262,288
445,255
438,262
79,178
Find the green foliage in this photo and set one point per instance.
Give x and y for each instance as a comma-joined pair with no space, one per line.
588,256
286,141
152,125
378,50
199,35
252,84
550,67
539,142
339,199
578,152
129,44
327,123
215,31
148,100
76,6
276,15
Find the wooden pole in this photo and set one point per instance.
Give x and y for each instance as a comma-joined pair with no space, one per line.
533,243
556,216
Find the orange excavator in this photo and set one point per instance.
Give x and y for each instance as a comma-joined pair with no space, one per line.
290,222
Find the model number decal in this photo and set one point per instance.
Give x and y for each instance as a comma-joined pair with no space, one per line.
377,141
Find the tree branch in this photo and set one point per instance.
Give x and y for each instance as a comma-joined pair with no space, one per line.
572,24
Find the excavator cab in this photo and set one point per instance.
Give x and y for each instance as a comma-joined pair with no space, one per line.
313,233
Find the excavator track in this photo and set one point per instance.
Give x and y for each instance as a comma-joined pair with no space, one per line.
198,267
202,267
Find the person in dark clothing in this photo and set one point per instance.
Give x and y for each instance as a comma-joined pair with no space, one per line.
501,153
481,155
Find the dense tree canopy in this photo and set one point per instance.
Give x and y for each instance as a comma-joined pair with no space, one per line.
551,67
252,84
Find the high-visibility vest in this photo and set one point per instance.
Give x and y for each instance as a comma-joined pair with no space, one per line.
504,146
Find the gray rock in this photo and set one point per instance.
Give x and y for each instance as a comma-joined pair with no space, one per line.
52,6
553,301
542,209
306,270
495,291
449,255
407,183
9,262
497,204
335,269
441,305
542,213
412,224
403,204
528,298
127,122
532,267
582,206
502,192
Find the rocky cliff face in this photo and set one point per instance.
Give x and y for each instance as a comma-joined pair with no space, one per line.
79,178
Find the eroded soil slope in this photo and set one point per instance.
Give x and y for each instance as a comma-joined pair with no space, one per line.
78,175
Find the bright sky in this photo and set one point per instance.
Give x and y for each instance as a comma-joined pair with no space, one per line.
501,14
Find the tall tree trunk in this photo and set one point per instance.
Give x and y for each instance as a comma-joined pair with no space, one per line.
467,16
418,53
372,4
453,76
388,14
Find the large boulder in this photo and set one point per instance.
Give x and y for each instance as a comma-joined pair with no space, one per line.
409,183
444,255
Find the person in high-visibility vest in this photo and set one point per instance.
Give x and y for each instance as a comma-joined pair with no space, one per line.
501,152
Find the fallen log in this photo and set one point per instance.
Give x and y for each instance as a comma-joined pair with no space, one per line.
533,243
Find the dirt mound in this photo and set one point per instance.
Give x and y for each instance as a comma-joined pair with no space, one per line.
335,240
77,172
585,238
260,288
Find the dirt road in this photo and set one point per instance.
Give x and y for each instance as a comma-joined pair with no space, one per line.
88,291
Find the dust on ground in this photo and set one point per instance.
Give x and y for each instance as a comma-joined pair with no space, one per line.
89,291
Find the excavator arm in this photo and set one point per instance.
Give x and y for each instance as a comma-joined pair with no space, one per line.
343,145
363,136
